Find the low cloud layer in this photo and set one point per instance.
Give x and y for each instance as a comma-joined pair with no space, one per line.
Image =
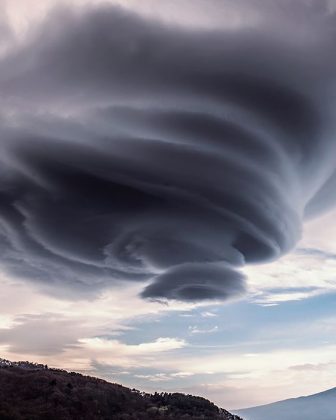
132,150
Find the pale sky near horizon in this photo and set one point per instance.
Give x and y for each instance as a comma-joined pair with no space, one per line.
275,342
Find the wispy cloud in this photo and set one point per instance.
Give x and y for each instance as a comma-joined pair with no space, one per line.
208,314
194,329
305,273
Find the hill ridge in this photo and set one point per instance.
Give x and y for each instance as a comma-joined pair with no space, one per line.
36,392
321,406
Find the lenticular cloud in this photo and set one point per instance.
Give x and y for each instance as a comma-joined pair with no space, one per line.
132,150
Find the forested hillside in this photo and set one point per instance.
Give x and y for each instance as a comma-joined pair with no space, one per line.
34,392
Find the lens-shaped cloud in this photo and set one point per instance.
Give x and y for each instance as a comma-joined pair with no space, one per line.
135,150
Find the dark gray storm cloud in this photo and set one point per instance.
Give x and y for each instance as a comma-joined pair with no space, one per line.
133,150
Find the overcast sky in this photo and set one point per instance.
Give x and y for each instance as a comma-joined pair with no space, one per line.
168,191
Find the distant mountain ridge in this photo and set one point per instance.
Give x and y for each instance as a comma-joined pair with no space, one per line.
320,406
32,391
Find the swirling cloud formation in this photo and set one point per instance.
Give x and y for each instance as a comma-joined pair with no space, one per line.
135,150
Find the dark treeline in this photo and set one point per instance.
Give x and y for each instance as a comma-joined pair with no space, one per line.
30,391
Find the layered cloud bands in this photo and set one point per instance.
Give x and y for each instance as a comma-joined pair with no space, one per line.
135,150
